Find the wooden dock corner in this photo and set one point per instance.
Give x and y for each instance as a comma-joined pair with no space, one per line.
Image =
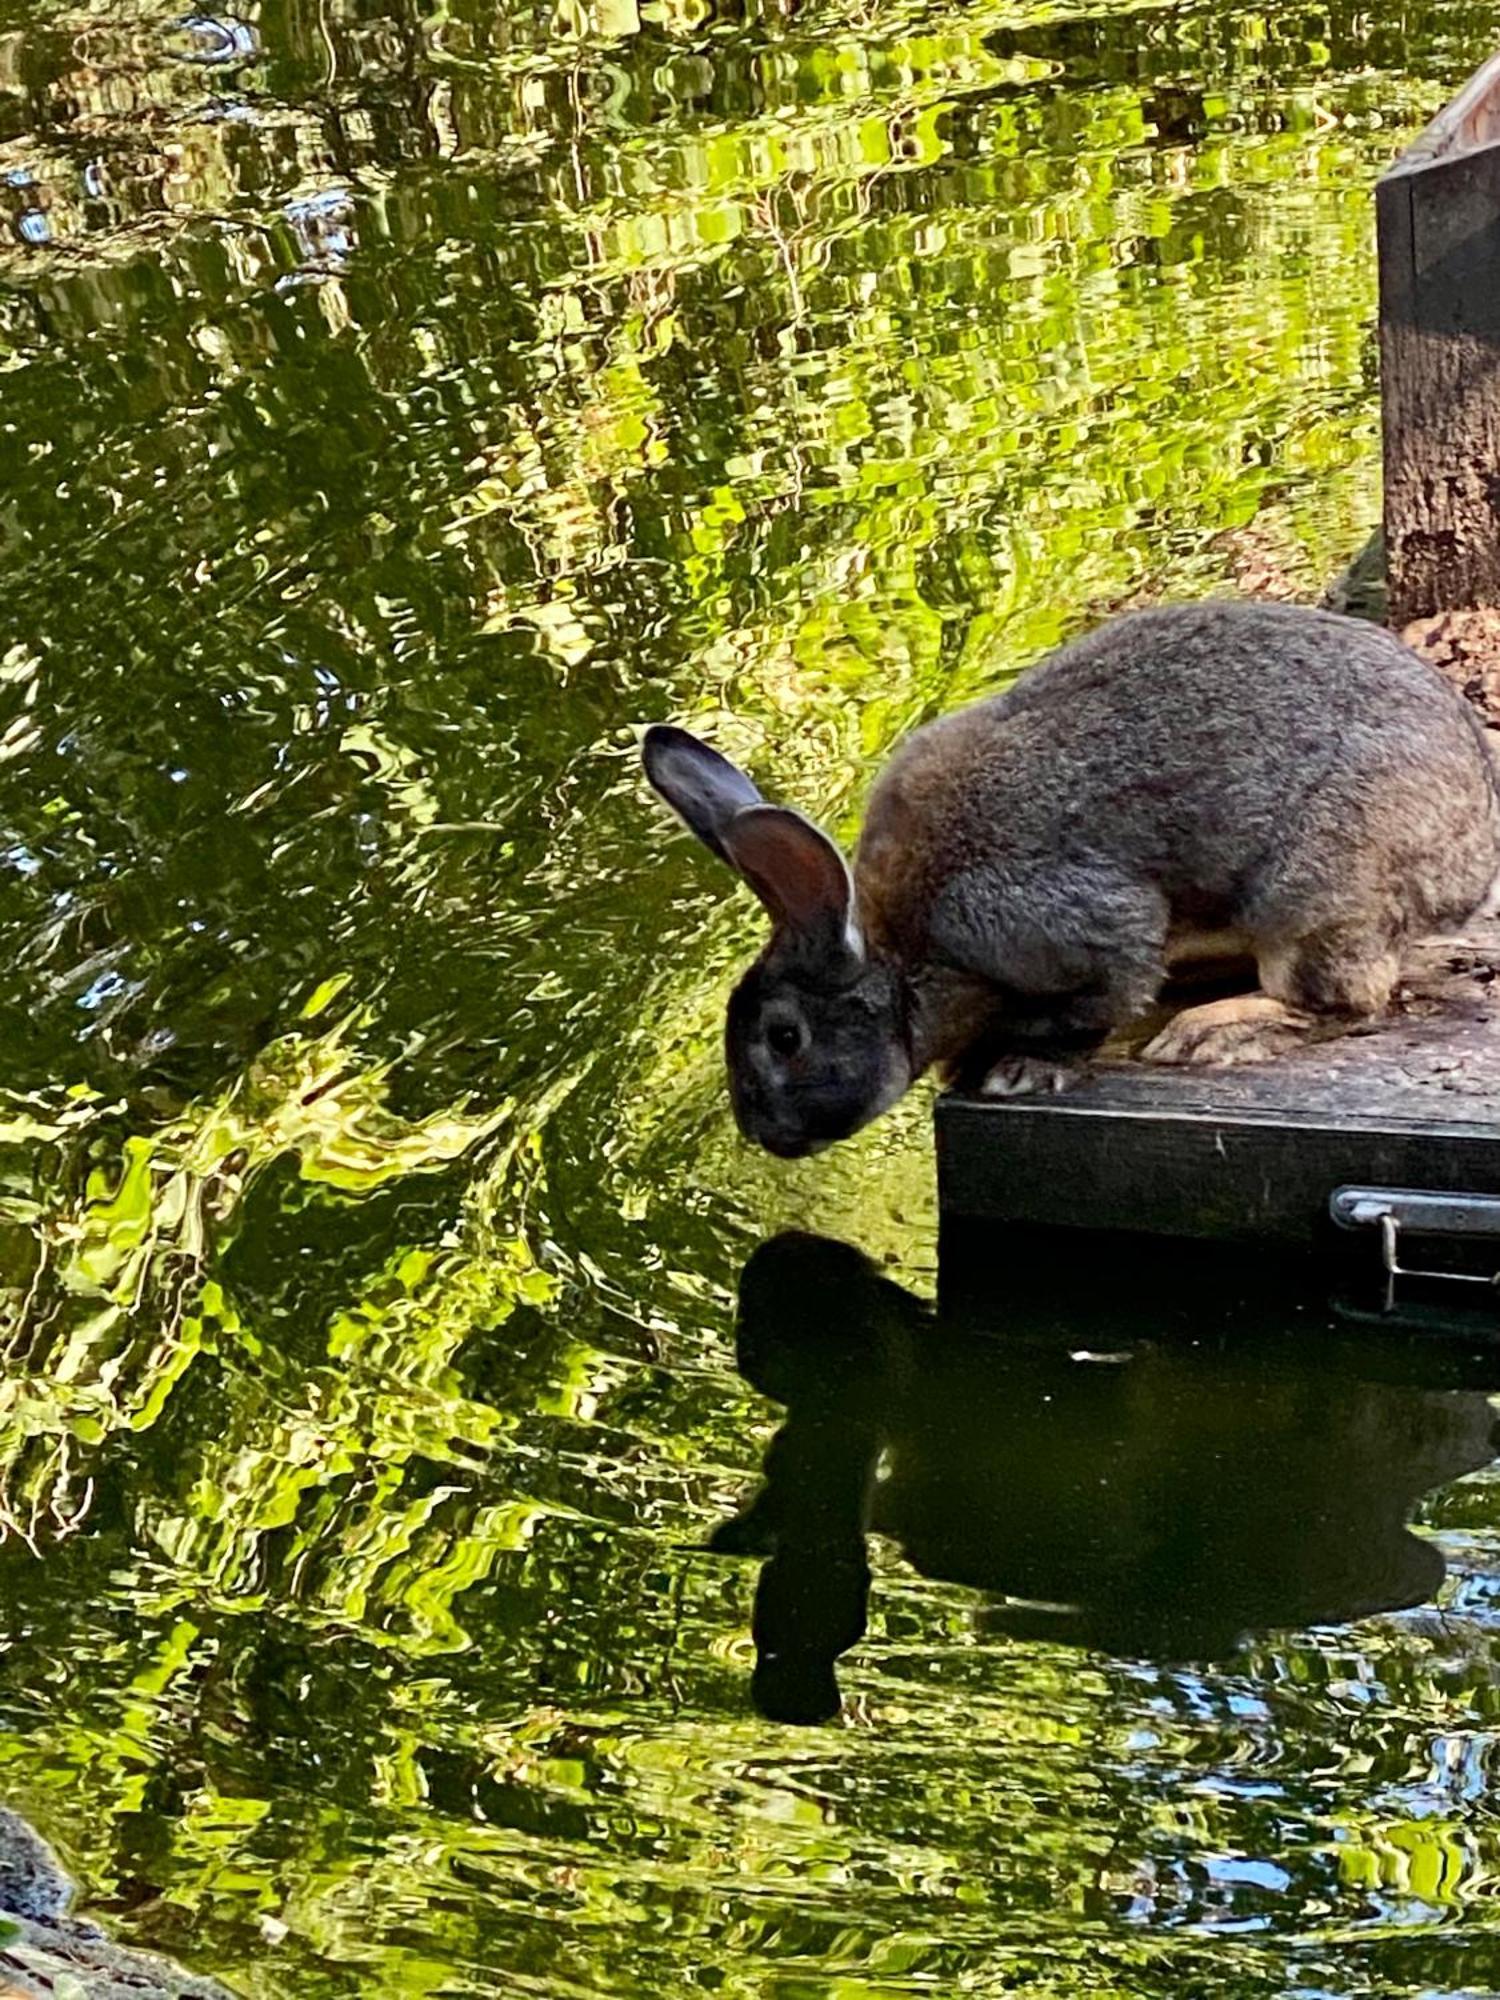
1252,1154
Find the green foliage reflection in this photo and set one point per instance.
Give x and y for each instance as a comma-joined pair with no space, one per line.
397,407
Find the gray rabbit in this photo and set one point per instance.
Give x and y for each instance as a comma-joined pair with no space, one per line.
1212,780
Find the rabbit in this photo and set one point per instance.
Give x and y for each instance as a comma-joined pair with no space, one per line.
1289,785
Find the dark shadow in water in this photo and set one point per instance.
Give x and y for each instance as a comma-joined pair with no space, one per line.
1151,1470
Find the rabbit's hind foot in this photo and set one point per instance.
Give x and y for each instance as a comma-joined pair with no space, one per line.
1026,1076
1246,1028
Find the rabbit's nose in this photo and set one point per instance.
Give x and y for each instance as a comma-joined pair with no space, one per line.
791,1145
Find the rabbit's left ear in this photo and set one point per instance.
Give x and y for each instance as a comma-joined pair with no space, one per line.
801,877
704,789
795,869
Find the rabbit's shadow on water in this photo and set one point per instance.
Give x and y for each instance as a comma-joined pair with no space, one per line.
1143,1471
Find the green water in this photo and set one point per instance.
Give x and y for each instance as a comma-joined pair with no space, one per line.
397,408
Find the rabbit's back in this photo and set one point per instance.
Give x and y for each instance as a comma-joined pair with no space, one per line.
1235,756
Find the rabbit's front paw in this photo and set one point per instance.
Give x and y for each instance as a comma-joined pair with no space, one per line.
1248,1027
1025,1076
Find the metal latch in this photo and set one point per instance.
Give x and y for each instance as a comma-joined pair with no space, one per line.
1399,1212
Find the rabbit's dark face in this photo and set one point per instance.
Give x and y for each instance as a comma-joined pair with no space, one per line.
809,1063
816,1037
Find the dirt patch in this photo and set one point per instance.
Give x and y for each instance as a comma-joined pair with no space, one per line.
1261,563
1464,646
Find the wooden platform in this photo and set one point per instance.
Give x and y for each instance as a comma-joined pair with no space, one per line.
1252,1154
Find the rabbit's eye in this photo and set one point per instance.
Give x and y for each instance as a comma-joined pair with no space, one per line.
783,1038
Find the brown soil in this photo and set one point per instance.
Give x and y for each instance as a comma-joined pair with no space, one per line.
1465,647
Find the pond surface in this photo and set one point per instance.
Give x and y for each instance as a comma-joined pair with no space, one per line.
397,408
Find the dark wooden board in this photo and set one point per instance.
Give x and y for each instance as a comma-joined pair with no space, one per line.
1438,220
1251,1153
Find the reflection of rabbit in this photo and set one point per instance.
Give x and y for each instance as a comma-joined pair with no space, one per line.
1226,777
1144,1463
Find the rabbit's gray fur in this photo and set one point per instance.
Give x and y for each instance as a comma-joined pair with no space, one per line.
1293,784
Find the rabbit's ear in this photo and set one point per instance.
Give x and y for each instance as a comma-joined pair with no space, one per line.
704,789
800,876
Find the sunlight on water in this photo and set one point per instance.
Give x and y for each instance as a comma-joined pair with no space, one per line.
397,409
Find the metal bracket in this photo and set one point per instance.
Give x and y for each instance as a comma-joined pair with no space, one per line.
1392,1211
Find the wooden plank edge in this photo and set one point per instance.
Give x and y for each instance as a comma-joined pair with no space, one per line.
953,1103
1232,1179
